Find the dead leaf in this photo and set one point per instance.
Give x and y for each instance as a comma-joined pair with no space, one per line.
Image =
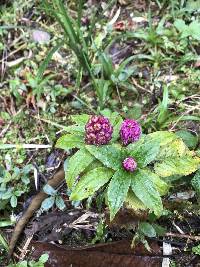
30,101
115,254
182,195
15,62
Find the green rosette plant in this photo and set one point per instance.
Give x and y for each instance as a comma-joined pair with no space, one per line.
133,168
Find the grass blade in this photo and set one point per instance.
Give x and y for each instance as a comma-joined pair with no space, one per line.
3,242
45,63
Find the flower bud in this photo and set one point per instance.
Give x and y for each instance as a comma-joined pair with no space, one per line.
98,131
130,131
129,164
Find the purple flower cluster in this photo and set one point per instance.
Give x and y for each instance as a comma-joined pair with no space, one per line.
98,131
130,131
129,164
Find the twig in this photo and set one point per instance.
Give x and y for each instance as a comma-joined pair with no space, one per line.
13,52
185,113
25,146
3,64
140,87
178,228
25,248
195,238
3,132
120,100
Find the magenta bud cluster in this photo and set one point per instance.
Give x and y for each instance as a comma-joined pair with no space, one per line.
129,164
98,131
130,131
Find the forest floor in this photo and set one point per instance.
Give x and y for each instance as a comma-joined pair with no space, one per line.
154,50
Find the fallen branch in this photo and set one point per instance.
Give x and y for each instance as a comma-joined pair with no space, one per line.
33,207
4,131
196,238
25,146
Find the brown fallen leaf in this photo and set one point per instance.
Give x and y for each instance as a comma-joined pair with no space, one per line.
115,254
126,218
130,24
30,101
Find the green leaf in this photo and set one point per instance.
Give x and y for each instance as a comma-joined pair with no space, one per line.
173,149
193,5
152,147
44,258
196,183
173,178
77,164
181,166
136,112
107,64
13,201
170,145
116,121
188,30
145,190
189,139
144,151
116,129
163,137
117,191
47,203
163,107
160,231
95,164
147,229
109,155
5,223
180,25
69,141
81,120
49,190
75,129
60,203
45,63
3,242
133,202
196,250
22,264
194,29
187,118
159,184
91,182
102,90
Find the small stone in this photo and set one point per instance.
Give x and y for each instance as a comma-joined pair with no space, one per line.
40,36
